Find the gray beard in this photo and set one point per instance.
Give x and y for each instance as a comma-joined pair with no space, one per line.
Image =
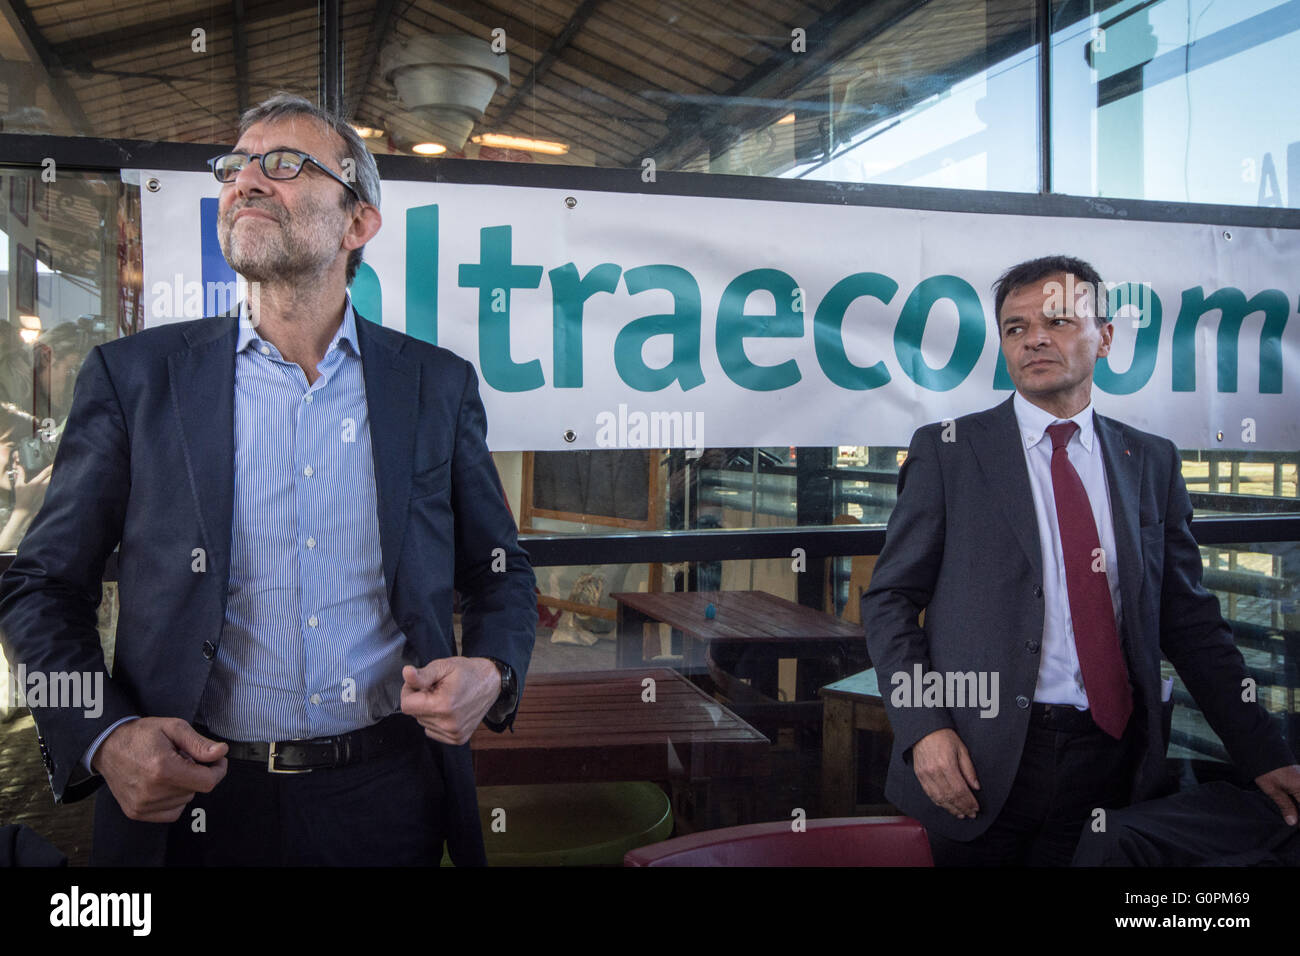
275,262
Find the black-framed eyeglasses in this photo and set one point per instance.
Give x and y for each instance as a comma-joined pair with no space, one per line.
276,164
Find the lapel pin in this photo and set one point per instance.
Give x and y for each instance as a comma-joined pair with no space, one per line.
1127,452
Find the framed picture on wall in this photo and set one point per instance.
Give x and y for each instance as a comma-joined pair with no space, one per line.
44,283
19,188
25,298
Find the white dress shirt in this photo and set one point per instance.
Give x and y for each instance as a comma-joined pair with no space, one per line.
1059,679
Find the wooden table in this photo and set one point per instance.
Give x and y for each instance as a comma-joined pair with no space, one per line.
597,726
766,628
851,705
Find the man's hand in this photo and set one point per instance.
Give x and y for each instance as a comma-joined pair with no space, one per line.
450,695
944,768
1283,785
155,766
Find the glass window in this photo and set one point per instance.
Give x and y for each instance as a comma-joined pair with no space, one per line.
1256,585
1176,100
71,244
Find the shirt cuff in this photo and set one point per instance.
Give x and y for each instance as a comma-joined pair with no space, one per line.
94,747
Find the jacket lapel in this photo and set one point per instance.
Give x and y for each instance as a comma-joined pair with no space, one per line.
392,400
202,383
1124,464
1001,456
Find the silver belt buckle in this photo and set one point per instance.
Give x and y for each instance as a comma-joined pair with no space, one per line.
272,768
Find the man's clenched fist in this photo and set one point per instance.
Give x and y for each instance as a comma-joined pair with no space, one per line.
450,695
155,765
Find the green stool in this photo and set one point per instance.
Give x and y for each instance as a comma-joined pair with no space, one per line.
571,824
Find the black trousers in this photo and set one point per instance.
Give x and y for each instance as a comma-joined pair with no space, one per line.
1217,824
1068,769
384,811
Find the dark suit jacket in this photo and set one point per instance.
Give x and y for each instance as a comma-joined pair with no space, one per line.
963,545
147,462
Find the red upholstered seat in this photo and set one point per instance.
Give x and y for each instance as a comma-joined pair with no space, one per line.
836,841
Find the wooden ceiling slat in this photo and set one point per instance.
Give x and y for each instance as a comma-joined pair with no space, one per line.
567,130
609,90
661,71
670,44
567,97
116,39
647,107
748,44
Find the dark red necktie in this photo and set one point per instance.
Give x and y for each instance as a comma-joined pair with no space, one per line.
1105,678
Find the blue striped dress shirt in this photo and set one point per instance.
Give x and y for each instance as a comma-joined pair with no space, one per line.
309,646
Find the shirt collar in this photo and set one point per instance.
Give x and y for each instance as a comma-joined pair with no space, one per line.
347,330
1033,422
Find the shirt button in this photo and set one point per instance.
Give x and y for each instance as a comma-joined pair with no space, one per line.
1038,591
266,350
1031,647
308,471
307,399
1022,702
315,698
312,620
311,542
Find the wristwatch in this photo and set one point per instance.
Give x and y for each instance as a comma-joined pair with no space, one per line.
509,687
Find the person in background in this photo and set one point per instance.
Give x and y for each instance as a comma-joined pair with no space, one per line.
1051,550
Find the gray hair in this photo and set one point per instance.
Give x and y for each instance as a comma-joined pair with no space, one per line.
366,182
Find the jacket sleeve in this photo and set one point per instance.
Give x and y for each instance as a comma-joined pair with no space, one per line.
903,583
1199,643
493,576
49,595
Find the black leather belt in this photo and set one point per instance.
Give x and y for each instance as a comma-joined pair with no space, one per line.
303,756
1063,717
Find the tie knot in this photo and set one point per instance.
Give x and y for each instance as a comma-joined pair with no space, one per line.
1061,434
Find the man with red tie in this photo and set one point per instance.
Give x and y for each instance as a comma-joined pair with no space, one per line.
1051,552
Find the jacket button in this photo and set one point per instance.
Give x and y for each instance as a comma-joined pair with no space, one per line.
1031,647
1022,702
1038,591
209,650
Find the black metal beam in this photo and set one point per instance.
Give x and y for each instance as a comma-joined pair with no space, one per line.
381,21
238,29
814,506
82,152
52,63
331,58
833,541
1044,96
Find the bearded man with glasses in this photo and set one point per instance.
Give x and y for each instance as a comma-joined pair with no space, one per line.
296,491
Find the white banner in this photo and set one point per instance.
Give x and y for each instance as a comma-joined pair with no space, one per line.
602,319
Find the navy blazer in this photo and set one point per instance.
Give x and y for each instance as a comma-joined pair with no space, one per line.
146,465
962,545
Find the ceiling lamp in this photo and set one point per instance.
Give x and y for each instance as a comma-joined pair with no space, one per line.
446,81
504,141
